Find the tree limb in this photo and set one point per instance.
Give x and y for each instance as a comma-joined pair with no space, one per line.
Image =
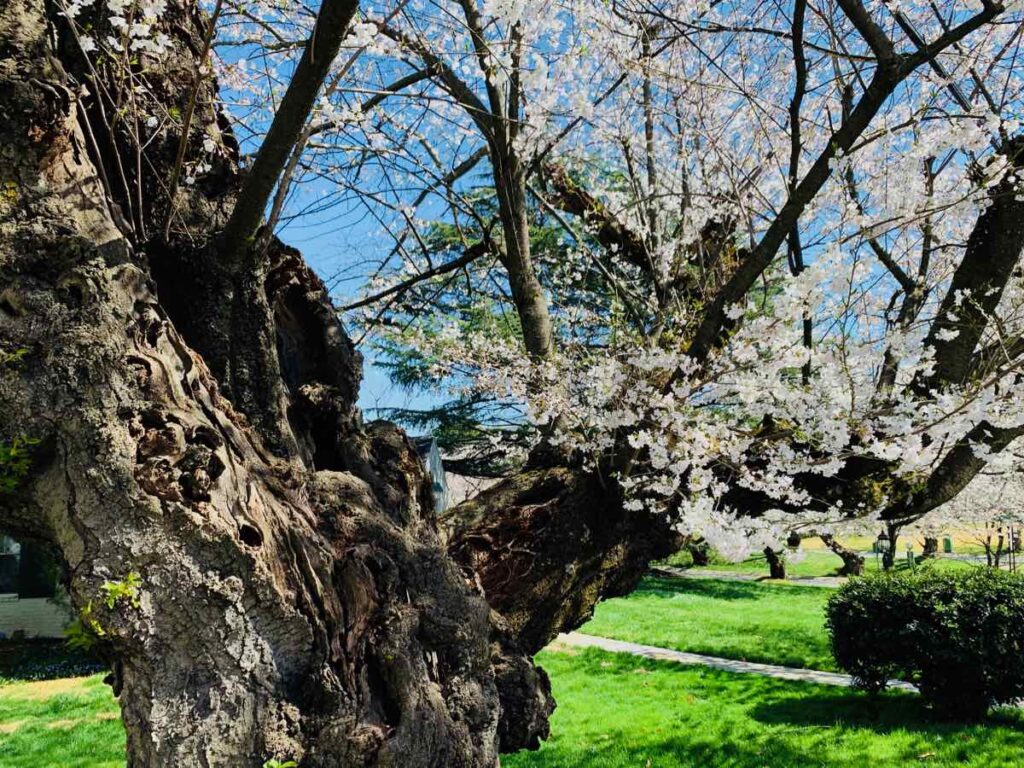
471,254
285,130
992,256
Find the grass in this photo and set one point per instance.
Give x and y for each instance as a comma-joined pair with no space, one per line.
615,711
770,623
65,723
618,711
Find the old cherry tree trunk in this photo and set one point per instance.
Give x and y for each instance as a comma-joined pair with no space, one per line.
283,587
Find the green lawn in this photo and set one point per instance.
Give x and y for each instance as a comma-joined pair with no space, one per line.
63,723
618,711
614,711
770,623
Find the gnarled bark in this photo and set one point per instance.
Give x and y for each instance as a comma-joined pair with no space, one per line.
256,600
264,573
549,543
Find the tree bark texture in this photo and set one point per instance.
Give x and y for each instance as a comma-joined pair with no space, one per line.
284,589
561,542
776,563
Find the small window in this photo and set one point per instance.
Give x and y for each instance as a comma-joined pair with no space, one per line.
27,569
10,565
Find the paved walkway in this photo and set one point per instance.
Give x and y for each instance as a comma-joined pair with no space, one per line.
579,640
705,573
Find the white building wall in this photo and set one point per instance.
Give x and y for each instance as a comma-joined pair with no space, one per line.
36,617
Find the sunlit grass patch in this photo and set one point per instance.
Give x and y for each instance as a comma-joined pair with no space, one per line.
73,722
769,623
618,711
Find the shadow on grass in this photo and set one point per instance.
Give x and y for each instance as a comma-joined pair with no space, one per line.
689,751
617,711
882,714
795,570
671,586
44,660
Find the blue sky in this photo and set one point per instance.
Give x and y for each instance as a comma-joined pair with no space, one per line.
335,243
338,243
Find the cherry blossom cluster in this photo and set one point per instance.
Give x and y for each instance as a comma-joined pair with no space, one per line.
676,118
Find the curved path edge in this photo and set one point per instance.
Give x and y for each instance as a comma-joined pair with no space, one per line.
580,640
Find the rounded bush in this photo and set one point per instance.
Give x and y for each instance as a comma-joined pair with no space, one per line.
958,635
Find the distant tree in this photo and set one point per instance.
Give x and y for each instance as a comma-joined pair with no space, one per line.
853,562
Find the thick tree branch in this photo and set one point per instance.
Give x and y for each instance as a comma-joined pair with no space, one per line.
239,235
853,561
509,177
485,61
957,468
591,210
873,35
796,255
548,543
990,260
952,36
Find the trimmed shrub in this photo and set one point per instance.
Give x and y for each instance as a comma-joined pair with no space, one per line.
958,635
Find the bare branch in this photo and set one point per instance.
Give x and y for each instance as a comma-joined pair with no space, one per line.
455,85
389,90
471,254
